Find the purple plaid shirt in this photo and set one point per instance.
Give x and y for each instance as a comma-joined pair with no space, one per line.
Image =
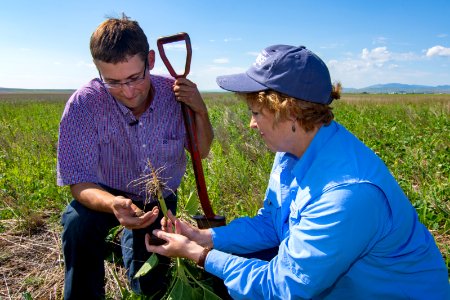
97,143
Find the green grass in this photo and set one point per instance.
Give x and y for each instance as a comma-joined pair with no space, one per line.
409,132
28,138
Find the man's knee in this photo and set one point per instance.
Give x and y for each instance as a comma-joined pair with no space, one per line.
75,219
80,222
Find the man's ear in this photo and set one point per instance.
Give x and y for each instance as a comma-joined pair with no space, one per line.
151,59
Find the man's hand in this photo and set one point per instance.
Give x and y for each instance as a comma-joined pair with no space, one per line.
186,91
130,216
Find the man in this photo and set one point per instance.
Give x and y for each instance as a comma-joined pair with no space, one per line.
114,131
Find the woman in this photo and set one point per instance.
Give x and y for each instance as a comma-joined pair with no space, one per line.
342,225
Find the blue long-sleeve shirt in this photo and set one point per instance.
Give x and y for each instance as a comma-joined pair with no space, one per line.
344,228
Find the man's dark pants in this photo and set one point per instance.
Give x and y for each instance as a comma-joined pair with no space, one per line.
85,249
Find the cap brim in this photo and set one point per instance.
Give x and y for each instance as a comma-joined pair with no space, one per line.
240,83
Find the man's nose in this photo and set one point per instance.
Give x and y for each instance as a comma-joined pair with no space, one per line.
127,90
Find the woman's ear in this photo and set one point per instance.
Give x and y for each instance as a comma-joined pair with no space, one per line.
292,118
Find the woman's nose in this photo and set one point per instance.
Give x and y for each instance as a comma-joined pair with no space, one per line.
253,123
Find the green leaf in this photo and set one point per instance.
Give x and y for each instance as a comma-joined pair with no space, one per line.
113,232
147,266
27,296
187,287
210,295
191,204
183,290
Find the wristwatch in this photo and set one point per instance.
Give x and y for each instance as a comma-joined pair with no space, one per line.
202,258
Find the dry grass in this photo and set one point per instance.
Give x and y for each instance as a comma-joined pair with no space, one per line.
32,264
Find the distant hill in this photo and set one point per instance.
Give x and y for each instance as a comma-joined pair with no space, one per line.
399,88
389,88
35,91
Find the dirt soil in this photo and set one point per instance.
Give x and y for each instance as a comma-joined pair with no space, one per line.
31,264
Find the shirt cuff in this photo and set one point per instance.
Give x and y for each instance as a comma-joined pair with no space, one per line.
215,262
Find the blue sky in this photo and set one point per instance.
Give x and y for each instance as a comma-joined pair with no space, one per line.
45,44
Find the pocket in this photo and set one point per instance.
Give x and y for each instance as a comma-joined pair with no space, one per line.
294,215
297,206
171,150
107,134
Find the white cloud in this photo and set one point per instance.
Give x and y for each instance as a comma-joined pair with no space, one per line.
442,35
253,53
438,51
175,46
227,40
205,76
83,64
380,40
372,66
405,56
221,60
377,56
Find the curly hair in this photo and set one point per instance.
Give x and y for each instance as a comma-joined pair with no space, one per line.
115,40
308,114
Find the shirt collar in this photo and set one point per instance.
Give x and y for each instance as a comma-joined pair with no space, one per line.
315,147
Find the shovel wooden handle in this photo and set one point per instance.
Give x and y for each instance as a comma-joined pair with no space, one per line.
189,122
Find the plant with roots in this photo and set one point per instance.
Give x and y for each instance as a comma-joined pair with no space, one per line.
187,282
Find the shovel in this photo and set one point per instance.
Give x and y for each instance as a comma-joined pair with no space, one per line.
210,219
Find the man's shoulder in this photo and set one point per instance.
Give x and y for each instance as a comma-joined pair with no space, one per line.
162,83
91,92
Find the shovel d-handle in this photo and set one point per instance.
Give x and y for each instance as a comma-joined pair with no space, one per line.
182,36
189,123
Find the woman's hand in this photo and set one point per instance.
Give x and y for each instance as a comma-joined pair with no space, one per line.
176,245
181,227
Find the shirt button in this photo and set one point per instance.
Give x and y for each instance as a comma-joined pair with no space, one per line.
144,145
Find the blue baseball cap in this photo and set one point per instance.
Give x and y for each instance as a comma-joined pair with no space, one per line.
294,71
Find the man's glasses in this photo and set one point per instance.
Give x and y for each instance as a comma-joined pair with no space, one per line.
132,83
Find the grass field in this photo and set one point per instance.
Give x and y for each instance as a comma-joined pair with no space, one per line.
409,132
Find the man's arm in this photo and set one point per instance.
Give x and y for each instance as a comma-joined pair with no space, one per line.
93,196
186,91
